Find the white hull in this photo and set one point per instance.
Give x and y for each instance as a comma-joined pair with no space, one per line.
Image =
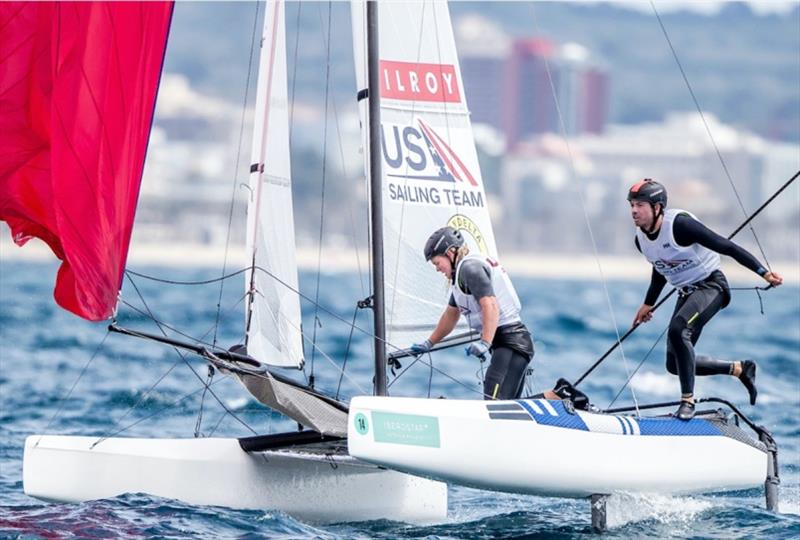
311,487
459,441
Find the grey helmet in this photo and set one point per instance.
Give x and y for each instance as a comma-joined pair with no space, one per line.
650,191
442,240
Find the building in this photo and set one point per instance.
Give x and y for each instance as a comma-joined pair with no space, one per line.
513,85
551,186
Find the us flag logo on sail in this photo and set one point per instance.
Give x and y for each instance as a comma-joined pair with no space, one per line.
423,167
415,81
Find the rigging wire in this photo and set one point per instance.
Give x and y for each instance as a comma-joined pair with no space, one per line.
303,296
343,163
236,168
64,399
147,392
294,70
708,130
279,281
563,128
182,356
199,423
179,282
200,341
636,369
317,322
157,413
437,370
346,353
179,332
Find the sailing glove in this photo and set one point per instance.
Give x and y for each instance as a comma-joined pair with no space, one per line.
479,349
421,348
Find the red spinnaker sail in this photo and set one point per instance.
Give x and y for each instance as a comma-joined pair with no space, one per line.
78,84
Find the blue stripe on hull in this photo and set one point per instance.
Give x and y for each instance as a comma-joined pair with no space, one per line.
561,419
675,426
659,427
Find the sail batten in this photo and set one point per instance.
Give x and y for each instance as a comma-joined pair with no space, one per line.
273,318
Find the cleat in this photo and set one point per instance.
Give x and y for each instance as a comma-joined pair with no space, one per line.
748,378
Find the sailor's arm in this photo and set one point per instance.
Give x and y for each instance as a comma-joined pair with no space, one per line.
490,316
657,282
689,231
478,281
447,322
644,313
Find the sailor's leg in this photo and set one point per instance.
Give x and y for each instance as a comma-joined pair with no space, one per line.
707,303
680,353
506,374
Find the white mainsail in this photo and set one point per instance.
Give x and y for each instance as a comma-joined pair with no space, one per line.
431,177
273,325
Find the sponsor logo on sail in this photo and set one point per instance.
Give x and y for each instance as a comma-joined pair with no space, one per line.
415,81
464,224
422,167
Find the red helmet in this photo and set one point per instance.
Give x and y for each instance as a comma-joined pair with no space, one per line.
648,190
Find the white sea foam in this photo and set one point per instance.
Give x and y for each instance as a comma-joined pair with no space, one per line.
623,508
656,384
789,502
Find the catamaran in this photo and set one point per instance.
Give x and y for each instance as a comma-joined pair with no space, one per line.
380,456
307,474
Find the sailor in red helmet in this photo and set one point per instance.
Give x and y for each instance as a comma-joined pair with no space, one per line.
685,253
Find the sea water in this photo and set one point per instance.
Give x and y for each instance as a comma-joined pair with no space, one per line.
62,375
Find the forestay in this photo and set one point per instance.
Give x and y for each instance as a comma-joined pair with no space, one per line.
273,315
431,175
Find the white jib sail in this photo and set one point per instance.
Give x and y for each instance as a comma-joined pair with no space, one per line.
431,176
274,332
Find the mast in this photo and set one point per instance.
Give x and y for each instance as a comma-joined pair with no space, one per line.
376,197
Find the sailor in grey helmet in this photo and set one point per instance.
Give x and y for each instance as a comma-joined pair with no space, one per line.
685,253
482,291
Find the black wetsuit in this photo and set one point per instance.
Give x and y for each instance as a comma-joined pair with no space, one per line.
512,347
697,303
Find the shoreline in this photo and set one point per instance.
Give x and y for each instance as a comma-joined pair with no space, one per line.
544,265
